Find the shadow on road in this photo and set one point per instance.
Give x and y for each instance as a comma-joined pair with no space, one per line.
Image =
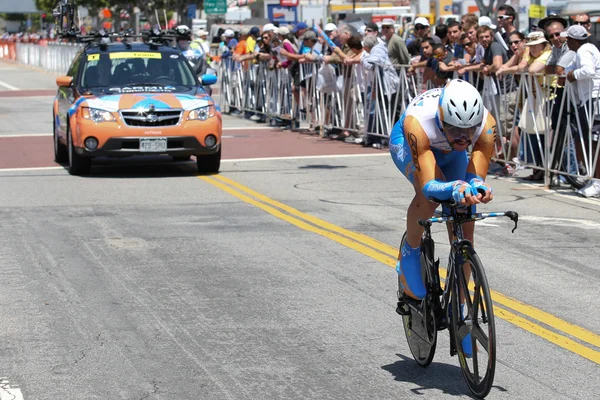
322,166
438,376
141,167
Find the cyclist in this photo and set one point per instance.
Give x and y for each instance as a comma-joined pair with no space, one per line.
429,146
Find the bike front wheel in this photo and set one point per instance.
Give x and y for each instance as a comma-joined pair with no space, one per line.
473,325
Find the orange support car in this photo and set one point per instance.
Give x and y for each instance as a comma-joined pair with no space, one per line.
123,99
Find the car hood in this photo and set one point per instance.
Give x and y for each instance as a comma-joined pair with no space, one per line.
143,101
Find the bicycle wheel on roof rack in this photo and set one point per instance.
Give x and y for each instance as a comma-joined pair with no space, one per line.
473,325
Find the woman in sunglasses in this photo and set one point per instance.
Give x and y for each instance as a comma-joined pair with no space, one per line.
517,44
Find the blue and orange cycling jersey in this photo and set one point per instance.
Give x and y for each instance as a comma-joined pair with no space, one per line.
422,153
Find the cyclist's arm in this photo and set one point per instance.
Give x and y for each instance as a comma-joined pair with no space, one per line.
483,150
479,164
424,161
425,167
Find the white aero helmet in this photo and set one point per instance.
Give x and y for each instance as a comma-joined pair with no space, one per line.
461,105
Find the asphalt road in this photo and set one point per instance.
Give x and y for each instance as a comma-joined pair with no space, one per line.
145,281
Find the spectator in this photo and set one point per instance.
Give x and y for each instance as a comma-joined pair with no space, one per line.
378,58
533,121
484,21
494,54
469,18
422,30
584,20
395,44
298,31
585,72
506,20
454,39
441,31
559,59
442,64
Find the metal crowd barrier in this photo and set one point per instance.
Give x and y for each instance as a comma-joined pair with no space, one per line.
55,57
557,133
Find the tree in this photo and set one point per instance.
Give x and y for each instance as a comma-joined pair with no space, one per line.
490,7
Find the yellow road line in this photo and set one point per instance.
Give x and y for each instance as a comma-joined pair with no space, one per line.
527,310
530,311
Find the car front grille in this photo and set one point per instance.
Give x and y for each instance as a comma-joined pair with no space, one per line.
145,118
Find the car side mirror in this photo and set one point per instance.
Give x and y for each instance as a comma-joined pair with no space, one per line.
64,81
208,79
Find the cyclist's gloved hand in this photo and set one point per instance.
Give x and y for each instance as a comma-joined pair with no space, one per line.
482,190
463,193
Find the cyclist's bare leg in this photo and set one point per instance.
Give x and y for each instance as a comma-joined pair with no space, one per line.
420,208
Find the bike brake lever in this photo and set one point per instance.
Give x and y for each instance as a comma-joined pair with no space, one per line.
514,216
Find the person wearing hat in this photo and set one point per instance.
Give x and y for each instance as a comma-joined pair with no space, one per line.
584,20
253,36
533,119
584,73
241,48
200,41
298,31
395,44
422,29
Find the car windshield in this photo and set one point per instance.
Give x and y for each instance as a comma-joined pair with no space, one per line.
136,68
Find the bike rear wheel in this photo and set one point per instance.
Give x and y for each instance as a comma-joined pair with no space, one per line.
421,328
476,320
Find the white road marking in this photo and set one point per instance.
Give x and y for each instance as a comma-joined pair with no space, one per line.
305,157
9,87
29,169
19,135
249,128
6,392
222,161
579,223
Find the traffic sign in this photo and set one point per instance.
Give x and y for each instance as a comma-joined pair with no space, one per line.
215,6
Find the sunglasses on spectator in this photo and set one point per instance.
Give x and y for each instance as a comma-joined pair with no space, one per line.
555,34
266,37
369,30
419,27
501,17
387,27
581,22
515,41
468,44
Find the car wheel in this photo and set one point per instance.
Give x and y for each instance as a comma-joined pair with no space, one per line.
78,165
209,164
61,154
181,158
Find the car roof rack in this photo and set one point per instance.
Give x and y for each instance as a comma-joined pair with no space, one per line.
66,28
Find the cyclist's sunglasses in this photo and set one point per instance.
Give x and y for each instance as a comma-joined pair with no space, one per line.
455,134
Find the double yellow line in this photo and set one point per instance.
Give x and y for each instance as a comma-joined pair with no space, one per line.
387,255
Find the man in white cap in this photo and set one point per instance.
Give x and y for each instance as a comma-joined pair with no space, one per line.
395,44
422,29
585,72
200,41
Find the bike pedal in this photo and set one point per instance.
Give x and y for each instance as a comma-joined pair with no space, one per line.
402,308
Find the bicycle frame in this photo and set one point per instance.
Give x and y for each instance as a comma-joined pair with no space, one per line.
456,218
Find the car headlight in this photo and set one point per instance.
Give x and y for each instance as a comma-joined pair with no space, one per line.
97,115
203,113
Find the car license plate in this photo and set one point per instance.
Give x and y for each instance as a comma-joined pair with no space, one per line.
153,144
